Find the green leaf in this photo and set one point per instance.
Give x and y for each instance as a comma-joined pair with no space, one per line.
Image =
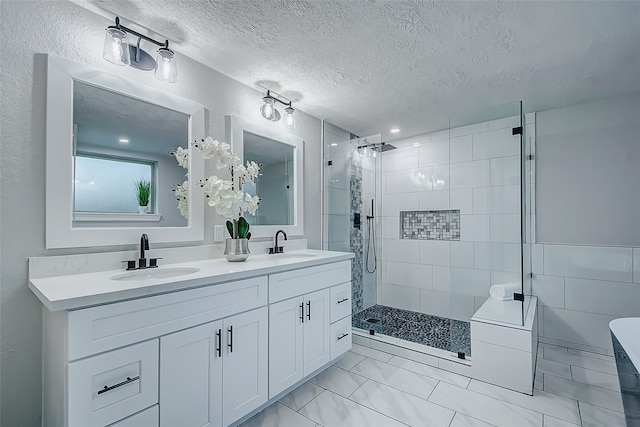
230,228
243,228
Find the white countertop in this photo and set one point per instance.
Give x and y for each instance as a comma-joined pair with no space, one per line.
627,332
81,290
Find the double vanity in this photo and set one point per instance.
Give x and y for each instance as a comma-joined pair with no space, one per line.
197,343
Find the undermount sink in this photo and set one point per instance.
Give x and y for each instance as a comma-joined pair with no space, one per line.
155,273
296,255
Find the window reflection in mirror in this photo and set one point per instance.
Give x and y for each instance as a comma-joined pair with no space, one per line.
119,140
275,182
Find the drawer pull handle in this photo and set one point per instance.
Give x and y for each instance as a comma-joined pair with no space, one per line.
302,311
343,300
230,345
309,310
342,336
219,336
127,381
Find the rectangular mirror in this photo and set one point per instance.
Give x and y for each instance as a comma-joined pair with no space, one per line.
106,136
280,182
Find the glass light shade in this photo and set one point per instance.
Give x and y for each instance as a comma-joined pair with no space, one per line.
288,117
267,109
116,50
166,66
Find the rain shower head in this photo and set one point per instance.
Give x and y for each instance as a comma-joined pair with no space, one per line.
379,147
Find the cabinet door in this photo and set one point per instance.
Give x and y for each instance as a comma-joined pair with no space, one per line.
285,344
317,351
191,377
244,380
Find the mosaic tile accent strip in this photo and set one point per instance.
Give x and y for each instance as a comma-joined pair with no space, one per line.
355,234
430,225
433,331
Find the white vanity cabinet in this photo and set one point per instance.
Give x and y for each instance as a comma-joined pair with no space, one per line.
203,356
200,365
300,327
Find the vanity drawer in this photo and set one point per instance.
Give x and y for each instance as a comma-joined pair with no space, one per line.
340,301
340,337
306,280
97,329
148,418
111,386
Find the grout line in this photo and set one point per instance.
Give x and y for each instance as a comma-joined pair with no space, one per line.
319,394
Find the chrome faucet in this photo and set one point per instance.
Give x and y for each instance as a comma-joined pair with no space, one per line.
278,249
144,246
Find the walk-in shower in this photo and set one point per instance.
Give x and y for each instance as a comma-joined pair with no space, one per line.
444,222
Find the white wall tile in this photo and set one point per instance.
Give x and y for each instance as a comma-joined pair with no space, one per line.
405,274
470,281
467,130
598,296
339,227
400,159
549,290
588,262
401,297
462,307
496,200
401,250
461,149
502,277
440,178
462,199
440,135
390,227
496,143
338,201
636,265
434,252
441,278
474,228
505,228
537,259
497,256
462,254
407,180
507,122
469,174
394,203
577,327
433,200
505,170
435,303
434,153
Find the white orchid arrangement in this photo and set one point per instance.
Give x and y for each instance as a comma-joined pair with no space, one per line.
225,195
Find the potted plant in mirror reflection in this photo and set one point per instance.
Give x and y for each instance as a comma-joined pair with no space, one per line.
227,196
143,194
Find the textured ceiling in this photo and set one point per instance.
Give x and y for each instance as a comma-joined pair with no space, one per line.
371,65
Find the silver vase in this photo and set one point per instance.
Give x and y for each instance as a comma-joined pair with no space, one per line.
236,250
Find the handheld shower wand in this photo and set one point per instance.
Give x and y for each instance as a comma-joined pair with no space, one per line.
372,242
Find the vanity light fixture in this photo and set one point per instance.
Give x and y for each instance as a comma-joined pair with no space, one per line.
270,112
118,51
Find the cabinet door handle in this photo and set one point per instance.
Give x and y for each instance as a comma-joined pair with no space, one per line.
342,336
230,345
219,346
309,310
343,300
125,382
302,311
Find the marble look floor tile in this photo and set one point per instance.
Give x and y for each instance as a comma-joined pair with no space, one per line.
578,359
461,420
401,406
583,392
278,415
595,378
543,402
539,381
561,370
430,371
484,408
584,353
407,381
301,395
595,416
330,409
338,380
349,360
549,421
370,352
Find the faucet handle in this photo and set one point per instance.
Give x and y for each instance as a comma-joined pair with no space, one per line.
131,264
153,262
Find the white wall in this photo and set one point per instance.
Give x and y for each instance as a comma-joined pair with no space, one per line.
67,30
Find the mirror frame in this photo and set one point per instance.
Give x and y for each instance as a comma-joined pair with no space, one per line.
235,127
60,232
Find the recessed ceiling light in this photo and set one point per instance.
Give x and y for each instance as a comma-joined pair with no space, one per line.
123,140
395,130
334,144
416,144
